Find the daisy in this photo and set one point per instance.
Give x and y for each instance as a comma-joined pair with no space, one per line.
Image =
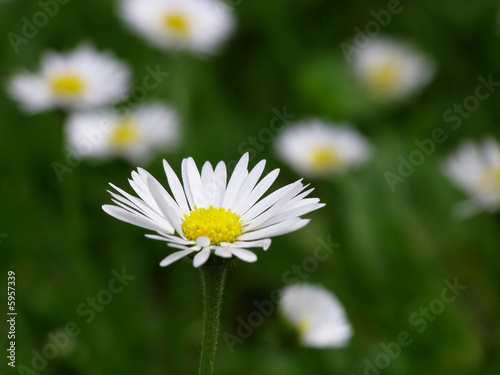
80,79
392,69
195,25
137,136
316,314
205,215
476,170
317,148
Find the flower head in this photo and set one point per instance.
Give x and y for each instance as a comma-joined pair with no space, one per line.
316,314
476,169
81,79
391,69
196,25
317,148
148,129
205,215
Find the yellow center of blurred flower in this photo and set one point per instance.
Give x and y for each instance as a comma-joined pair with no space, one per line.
67,85
124,134
176,23
304,325
324,159
217,224
384,77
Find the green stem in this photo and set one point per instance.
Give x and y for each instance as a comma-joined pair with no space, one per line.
212,281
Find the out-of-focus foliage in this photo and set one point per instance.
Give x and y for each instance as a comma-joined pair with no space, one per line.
396,248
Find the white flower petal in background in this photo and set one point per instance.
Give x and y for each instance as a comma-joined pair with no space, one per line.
475,168
80,79
392,69
317,148
149,129
195,25
209,214
317,315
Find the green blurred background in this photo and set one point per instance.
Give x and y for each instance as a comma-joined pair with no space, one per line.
396,248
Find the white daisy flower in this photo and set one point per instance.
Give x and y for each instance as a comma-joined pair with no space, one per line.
137,136
476,170
195,25
317,315
391,69
317,148
81,79
205,216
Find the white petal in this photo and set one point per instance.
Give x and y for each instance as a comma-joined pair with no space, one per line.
244,254
187,187
195,185
203,241
239,175
201,257
270,231
258,191
220,180
271,199
176,187
166,203
135,219
174,257
223,252
264,244
248,185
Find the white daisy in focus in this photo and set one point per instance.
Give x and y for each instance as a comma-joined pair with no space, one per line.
81,79
317,148
205,215
195,25
476,170
391,69
137,136
316,314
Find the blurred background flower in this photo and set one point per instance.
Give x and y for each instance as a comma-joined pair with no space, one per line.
475,168
316,314
80,79
392,69
317,148
194,25
137,136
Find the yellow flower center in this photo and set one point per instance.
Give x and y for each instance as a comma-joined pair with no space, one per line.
384,77
67,85
304,325
176,23
217,224
124,134
324,159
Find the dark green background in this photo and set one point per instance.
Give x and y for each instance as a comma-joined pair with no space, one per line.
396,248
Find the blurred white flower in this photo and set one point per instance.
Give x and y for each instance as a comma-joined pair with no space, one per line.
206,216
317,148
81,79
317,315
392,69
195,25
476,170
148,129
